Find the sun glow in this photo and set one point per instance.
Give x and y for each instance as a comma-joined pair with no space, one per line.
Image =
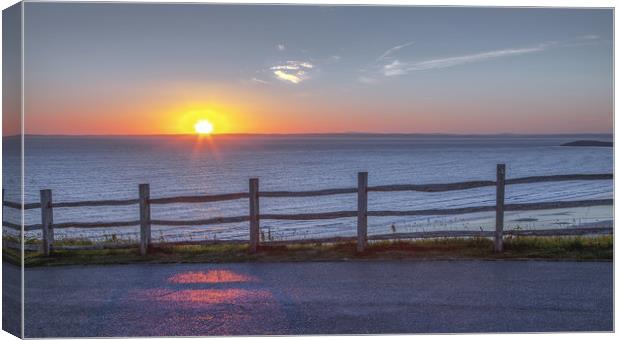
207,119
203,127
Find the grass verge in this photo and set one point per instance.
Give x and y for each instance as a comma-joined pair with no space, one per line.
524,247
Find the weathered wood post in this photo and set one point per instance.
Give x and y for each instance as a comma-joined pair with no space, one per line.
499,207
47,219
254,215
145,218
362,210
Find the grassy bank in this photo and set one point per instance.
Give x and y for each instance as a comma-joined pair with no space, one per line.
564,248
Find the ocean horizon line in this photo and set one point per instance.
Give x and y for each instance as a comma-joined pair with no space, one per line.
329,134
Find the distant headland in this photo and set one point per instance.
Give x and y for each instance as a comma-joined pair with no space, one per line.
589,143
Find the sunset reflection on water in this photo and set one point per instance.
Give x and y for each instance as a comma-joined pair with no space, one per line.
205,296
219,301
211,276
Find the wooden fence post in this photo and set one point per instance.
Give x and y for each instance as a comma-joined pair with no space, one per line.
47,220
499,207
145,218
362,210
254,215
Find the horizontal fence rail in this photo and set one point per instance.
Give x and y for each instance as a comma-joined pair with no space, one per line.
557,205
199,199
329,215
362,213
433,187
16,205
309,216
95,203
432,212
216,220
325,192
559,178
96,224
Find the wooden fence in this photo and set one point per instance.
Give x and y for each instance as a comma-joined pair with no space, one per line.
362,213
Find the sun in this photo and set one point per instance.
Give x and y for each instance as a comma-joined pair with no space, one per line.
203,127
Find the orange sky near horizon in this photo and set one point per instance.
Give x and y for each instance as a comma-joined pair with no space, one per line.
253,113
122,69
164,109
182,121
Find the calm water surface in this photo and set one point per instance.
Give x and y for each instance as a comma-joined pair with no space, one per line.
87,168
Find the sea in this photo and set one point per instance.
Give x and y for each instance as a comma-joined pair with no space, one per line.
79,168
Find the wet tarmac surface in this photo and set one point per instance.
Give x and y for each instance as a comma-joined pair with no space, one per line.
318,298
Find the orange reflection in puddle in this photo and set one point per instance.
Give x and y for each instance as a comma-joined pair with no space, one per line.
202,312
211,276
204,296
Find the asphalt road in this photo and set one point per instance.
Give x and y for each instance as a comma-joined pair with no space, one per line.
319,298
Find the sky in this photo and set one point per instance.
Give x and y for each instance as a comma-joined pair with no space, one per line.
104,68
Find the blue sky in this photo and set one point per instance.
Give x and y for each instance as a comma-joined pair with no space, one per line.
101,68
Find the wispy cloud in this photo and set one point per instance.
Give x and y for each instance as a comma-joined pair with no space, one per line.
397,67
584,40
293,78
393,50
588,37
260,81
388,65
292,71
390,62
